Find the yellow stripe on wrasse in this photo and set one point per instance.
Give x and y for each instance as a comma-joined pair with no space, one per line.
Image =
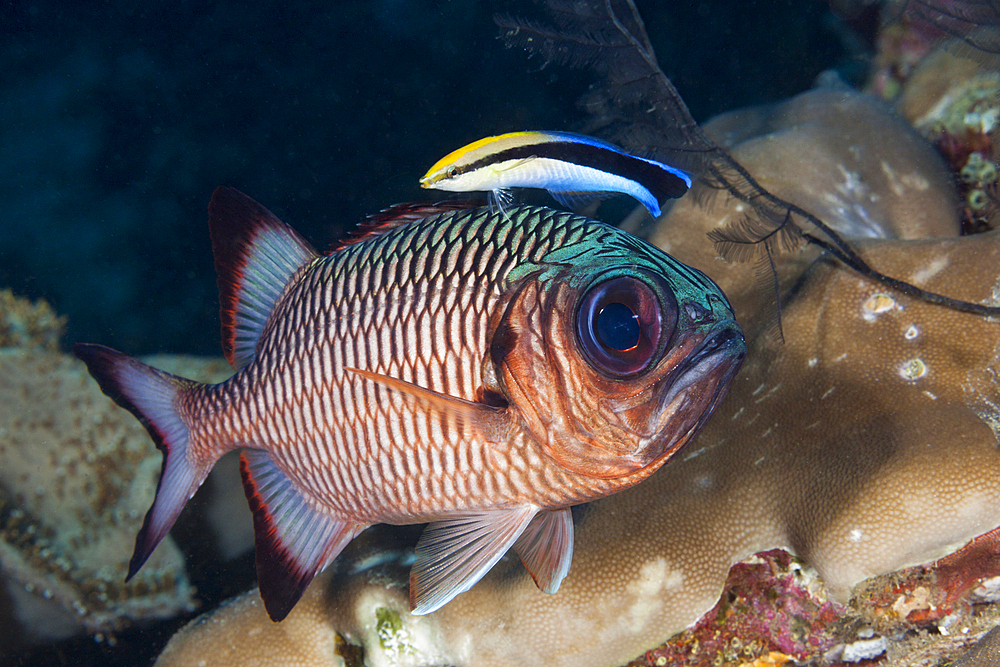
439,170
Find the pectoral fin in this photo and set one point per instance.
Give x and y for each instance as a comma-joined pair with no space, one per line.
452,555
503,198
546,548
492,422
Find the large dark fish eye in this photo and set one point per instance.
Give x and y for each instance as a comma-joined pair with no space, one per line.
620,323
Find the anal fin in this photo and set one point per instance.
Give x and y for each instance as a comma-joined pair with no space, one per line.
576,201
294,541
455,553
546,548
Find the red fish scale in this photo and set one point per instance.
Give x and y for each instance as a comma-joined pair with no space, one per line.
364,452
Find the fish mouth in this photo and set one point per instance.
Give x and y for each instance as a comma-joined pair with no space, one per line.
685,405
724,349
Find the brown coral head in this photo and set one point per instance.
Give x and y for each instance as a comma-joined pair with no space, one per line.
614,377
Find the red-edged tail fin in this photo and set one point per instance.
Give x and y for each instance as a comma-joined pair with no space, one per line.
150,395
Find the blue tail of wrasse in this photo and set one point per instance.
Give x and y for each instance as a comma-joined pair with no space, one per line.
150,395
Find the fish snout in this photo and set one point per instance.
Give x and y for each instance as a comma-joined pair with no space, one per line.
725,343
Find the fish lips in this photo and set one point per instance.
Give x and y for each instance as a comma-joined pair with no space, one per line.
685,397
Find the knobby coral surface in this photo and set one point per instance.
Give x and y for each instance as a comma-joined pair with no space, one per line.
77,478
27,324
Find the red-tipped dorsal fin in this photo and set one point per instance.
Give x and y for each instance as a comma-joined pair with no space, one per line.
294,541
256,254
398,215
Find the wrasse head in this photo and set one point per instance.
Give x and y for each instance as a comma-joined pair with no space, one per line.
462,170
617,368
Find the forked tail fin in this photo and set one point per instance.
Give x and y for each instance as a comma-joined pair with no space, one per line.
150,395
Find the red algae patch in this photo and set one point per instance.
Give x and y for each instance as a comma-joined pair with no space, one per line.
771,612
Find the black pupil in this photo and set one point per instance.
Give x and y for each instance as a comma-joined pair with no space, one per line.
618,327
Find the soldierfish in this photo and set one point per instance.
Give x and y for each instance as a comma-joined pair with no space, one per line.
574,168
477,371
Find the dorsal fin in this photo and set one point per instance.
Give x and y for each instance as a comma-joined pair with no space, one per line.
398,215
255,256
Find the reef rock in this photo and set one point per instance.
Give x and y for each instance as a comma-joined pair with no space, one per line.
26,324
954,101
866,443
78,475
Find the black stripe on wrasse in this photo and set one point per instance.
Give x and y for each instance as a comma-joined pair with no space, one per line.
663,184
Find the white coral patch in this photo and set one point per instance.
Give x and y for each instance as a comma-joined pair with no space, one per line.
902,183
934,267
865,649
654,578
987,591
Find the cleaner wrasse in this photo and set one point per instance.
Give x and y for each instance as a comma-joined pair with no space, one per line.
574,168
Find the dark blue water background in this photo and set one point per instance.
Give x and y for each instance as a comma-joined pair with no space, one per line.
118,119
